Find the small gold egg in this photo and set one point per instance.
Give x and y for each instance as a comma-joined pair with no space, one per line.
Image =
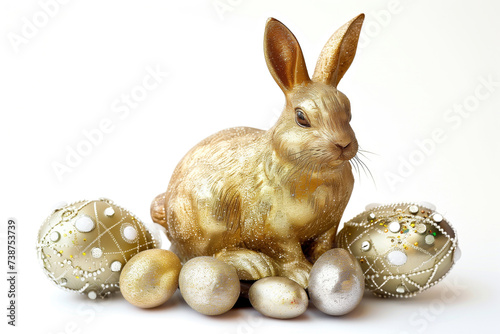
278,297
150,278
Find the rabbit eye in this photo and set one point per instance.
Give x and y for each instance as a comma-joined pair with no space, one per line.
301,119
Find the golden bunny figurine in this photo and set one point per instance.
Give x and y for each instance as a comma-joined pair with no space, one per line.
269,202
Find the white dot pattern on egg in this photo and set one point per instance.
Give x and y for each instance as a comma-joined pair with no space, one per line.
79,243
437,218
116,266
421,228
400,289
84,224
55,236
397,258
429,239
412,248
365,246
96,253
92,295
394,227
129,233
109,212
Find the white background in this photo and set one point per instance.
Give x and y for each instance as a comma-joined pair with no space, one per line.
417,61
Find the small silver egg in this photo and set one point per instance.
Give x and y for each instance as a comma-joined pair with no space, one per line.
336,282
208,285
278,297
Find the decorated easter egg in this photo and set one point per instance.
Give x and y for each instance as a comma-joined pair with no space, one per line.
278,297
83,246
208,285
403,249
150,278
336,282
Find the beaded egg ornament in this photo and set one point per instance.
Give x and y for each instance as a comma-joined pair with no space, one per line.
83,246
403,249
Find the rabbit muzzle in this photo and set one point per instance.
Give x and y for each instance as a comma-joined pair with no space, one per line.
346,151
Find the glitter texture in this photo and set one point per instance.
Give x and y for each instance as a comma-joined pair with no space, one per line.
269,202
150,278
405,262
208,285
336,284
278,297
80,260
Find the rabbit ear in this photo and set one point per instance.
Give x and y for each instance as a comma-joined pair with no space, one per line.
338,53
283,56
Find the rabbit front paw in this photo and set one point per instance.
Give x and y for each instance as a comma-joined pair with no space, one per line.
249,264
298,271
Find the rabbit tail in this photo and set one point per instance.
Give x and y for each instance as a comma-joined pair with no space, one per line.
158,213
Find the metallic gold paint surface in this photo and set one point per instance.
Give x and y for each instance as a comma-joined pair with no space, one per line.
70,261
269,202
425,263
150,278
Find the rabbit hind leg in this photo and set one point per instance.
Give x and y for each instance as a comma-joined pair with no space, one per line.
195,231
249,264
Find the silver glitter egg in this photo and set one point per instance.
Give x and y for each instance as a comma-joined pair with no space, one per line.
208,285
278,297
336,282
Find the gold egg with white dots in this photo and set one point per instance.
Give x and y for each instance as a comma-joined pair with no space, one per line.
83,246
403,248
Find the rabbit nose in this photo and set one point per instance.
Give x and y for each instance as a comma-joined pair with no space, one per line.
343,145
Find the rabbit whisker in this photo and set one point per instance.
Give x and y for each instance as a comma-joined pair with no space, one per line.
363,154
362,165
300,154
362,151
355,165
